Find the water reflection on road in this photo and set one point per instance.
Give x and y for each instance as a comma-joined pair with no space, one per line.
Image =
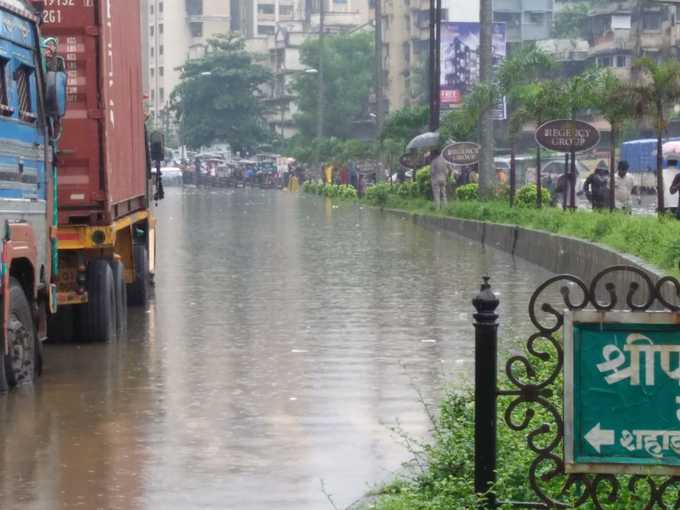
285,339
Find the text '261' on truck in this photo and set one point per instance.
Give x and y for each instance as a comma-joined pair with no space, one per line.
32,105
106,232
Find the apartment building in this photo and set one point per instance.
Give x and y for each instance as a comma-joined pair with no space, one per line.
615,34
176,30
526,20
283,49
405,27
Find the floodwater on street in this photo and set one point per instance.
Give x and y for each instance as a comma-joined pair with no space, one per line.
286,339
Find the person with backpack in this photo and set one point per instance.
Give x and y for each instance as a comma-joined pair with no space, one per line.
596,187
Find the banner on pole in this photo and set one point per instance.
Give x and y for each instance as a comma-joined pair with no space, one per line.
460,58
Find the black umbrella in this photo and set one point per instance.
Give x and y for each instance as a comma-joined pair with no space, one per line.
424,141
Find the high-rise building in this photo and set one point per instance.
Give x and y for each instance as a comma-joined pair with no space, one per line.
526,20
177,30
406,31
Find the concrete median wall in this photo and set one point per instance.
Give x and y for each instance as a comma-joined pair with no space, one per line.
557,254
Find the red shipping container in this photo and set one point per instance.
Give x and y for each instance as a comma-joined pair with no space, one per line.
102,162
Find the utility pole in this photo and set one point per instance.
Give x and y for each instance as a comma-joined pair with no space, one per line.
322,37
486,128
379,72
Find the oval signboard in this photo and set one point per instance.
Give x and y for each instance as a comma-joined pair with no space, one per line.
412,160
567,136
462,153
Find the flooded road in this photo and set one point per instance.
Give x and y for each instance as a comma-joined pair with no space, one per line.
285,340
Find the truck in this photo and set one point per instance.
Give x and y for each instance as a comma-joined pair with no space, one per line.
32,105
106,229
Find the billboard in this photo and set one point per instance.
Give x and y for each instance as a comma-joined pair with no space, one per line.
459,54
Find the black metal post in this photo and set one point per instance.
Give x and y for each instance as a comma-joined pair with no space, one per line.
572,190
567,183
539,182
486,390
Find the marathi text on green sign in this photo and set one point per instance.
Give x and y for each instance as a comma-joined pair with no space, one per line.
622,392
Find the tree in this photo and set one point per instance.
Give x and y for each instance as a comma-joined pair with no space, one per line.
616,102
218,97
348,78
406,123
657,90
487,174
514,76
570,21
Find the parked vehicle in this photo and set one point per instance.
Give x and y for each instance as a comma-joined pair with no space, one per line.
171,175
32,105
106,229
551,170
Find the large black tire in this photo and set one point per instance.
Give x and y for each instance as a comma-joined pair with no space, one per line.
121,297
138,291
23,360
97,320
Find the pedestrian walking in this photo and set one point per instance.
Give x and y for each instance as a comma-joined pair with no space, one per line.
361,185
623,189
675,185
440,175
596,187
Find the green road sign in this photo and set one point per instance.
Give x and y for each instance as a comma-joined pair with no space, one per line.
622,392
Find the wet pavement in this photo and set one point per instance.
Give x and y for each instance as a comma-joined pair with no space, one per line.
286,339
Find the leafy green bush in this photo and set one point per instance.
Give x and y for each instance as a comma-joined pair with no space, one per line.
311,187
347,191
407,189
378,194
468,192
527,196
424,182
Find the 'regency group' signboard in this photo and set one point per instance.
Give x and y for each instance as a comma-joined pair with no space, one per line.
622,392
567,136
462,153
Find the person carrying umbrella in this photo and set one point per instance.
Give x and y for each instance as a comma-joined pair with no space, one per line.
440,175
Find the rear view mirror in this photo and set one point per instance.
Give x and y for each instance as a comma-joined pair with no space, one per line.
157,146
56,94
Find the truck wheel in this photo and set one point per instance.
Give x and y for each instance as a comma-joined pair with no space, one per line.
98,322
121,297
21,364
138,291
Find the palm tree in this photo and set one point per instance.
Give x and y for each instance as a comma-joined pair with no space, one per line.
487,175
515,76
616,102
657,90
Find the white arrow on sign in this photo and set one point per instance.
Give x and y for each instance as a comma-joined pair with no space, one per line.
599,438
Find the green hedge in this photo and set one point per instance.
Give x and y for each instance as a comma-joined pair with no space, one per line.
344,191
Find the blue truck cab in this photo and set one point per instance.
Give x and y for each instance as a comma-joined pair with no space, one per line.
32,103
